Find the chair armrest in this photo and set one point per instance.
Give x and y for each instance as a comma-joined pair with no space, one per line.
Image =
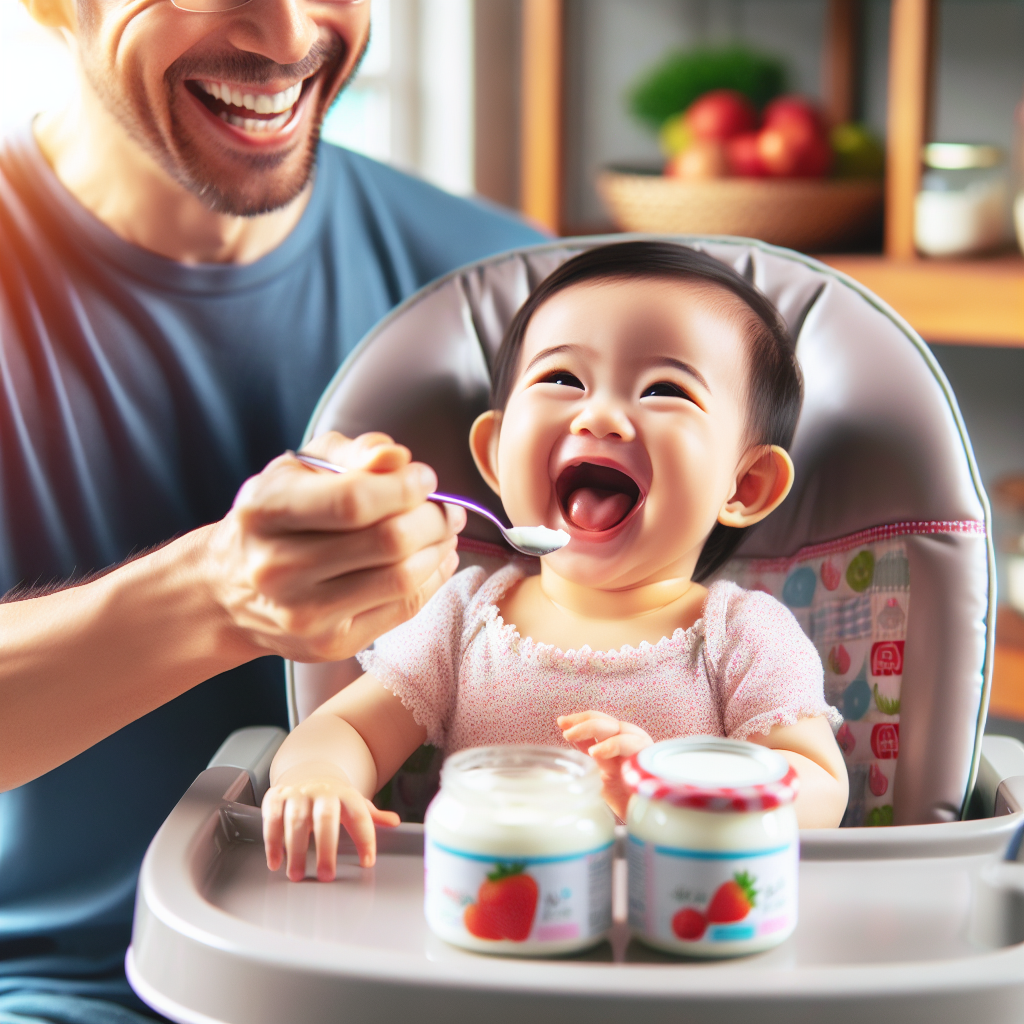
1002,758
252,750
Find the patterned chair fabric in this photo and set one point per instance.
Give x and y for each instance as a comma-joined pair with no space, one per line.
887,494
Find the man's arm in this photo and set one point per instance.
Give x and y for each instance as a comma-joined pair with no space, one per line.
308,565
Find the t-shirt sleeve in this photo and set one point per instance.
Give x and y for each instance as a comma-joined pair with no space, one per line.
419,660
764,667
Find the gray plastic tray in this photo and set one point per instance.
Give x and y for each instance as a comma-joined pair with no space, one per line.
885,934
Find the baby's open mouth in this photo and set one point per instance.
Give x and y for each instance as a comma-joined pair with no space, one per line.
596,498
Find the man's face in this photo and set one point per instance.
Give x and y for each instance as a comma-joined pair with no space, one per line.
229,104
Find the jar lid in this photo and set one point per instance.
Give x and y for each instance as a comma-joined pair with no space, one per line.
960,156
711,774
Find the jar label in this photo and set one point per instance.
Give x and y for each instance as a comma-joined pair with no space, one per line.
539,900
710,897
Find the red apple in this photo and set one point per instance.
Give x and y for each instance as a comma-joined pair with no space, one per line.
720,114
704,159
788,110
794,149
743,156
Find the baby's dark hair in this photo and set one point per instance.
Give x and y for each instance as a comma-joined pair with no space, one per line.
776,385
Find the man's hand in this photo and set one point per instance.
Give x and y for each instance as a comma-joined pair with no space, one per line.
314,566
314,799
609,742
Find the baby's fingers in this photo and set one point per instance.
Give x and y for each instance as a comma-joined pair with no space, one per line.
621,746
593,729
273,828
298,823
326,825
357,818
386,818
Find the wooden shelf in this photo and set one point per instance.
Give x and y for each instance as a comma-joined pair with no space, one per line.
977,302
1008,671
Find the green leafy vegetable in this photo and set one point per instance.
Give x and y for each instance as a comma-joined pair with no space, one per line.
683,76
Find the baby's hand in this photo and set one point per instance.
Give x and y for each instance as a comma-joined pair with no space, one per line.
306,800
609,742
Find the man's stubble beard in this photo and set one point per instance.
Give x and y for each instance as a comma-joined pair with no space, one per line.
253,188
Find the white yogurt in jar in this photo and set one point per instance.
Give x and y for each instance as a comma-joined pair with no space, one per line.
518,852
713,847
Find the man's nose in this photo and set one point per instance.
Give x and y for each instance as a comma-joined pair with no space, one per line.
602,417
280,30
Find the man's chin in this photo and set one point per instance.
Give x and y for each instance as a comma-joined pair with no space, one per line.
251,185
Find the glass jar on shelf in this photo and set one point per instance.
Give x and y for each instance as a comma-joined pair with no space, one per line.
964,202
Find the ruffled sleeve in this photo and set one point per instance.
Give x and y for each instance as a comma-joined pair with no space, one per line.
763,668
419,660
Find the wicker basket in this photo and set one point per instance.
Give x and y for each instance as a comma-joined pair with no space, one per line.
810,215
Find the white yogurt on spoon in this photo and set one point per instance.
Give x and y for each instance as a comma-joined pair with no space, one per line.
537,540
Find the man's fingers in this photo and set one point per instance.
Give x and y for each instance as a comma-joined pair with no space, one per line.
290,496
326,826
366,626
297,827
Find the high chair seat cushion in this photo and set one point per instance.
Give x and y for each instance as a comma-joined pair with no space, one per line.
880,446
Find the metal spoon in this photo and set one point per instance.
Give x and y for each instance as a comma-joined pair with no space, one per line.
528,540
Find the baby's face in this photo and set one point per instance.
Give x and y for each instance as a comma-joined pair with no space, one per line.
625,426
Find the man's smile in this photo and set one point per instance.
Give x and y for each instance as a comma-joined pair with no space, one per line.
254,111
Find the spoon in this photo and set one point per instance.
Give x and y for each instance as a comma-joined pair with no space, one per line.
528,540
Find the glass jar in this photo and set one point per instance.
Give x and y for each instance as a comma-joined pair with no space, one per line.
518,852
963,206
713,847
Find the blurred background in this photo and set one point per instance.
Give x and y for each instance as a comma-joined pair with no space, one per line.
532,103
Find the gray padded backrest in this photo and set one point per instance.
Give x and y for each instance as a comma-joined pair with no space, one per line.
880,440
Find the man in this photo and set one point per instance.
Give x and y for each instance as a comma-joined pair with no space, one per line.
181,271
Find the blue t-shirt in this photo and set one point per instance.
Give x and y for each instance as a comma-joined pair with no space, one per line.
137,395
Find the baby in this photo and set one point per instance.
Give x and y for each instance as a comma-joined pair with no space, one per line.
643,399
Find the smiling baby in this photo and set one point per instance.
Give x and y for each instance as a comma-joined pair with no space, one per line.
643,400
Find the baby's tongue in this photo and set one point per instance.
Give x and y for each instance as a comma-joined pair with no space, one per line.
594,509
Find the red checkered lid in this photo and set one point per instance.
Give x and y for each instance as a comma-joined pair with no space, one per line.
712,774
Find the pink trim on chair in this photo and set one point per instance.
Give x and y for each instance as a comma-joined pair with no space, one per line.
872,535
972,527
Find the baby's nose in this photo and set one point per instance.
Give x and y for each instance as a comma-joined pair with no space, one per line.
604,419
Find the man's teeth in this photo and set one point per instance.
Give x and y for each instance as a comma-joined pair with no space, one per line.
253,124
260,104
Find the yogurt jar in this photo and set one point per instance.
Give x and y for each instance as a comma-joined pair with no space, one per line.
518,852
713,847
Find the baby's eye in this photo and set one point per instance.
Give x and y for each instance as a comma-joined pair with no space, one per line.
565,378
665,389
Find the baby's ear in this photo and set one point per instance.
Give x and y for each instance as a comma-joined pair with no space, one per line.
764,479
483,443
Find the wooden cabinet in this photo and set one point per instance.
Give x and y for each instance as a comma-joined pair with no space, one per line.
979,301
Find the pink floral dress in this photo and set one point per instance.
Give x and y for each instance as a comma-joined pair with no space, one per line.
471,680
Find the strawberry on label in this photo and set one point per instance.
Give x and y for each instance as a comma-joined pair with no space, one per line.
505,905
689,924
733,900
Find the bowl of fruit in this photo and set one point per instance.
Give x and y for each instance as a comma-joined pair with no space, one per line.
773,170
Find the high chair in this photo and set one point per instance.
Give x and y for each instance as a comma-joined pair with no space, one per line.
915,910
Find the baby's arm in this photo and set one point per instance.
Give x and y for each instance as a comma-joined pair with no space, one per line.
811,749
609,742
326,772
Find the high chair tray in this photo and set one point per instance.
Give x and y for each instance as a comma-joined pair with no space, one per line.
882,936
